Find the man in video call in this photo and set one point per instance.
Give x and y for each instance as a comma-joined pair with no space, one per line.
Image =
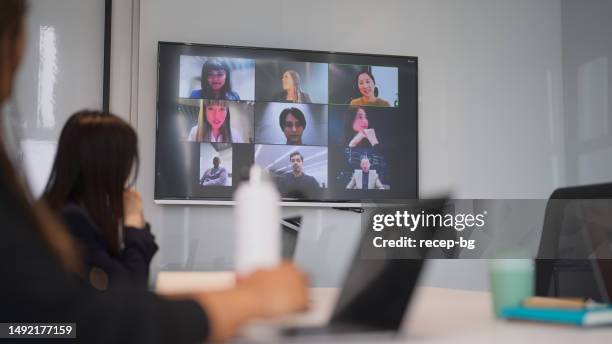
214,176
296,183
365,178
293,123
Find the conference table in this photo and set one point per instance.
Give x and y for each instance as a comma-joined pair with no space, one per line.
435,315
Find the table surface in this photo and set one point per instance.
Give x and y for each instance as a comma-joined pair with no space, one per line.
436,315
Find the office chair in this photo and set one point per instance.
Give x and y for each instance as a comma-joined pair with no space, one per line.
556,276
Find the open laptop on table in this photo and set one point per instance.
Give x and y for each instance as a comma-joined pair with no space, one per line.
603,274
597,230
290,230
376,291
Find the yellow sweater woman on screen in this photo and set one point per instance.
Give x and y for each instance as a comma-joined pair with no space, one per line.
369,92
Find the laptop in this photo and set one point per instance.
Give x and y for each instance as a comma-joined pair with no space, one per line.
376,291
290,230
597,231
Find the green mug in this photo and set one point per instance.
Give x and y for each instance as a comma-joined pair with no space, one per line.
512,281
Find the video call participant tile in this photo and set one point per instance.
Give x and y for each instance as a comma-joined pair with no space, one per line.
215,164
364,169
291,82
298,171
363,85
364,127
291,124
217,121
205,77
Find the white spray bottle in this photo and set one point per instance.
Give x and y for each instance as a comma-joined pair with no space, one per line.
257,218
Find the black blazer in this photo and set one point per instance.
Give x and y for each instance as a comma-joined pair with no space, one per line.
132,263
35,288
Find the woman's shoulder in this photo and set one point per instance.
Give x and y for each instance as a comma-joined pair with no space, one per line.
231,95
74,210
80,223
196,94
377,102
357,101
381,102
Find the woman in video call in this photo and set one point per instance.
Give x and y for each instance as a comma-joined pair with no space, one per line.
366,84
41,267
214,124
292,91
88,187
216,82
357,131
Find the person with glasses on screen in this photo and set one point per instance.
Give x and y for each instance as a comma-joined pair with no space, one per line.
297,184
366,84
292,90
215,81
293,123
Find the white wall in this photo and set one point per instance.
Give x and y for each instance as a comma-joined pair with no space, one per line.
490,99
587,80
61,73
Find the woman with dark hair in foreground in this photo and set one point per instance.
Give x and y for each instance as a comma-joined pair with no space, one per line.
95,163
38,264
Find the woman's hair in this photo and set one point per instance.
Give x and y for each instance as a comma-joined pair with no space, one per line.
365,71
52,233
295,77
96,154
349,119
205,129
12,13
209,66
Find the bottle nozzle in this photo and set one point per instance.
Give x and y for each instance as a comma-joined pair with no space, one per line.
255,175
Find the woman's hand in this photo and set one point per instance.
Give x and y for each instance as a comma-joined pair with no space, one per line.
357,139
133,214
281,290
370,134
264,293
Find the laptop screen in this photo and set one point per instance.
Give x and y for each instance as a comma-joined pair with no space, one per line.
377,291
597,217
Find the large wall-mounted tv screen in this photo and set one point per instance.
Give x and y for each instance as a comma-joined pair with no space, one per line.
329,127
